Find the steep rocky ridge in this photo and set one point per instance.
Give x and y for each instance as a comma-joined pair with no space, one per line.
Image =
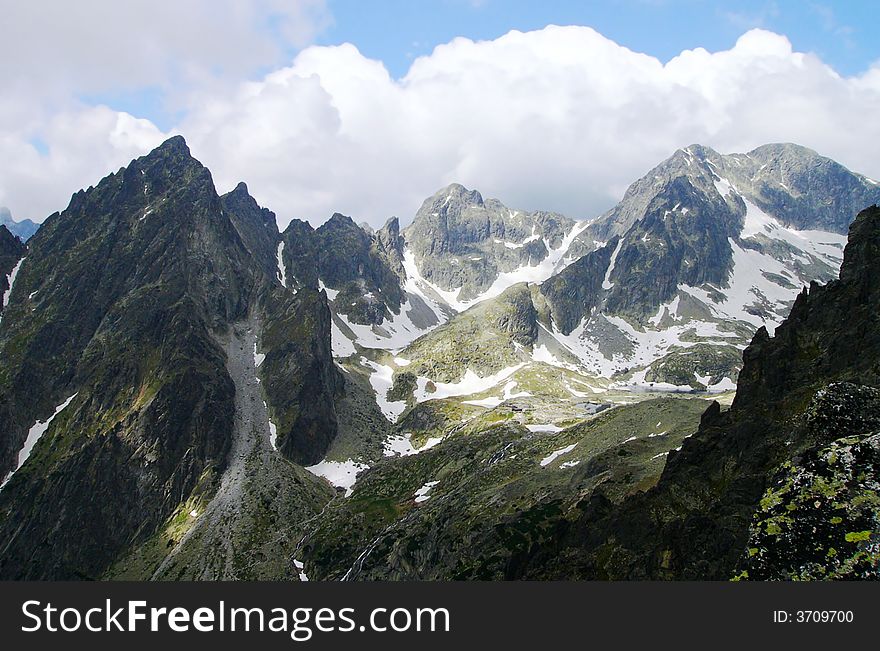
789,408
117,328
125,290
701,252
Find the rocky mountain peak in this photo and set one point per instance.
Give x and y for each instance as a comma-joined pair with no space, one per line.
173,155
338,221
391,227
241,200
241,189
175,145
861,258
785,151
462,244
140,309
391,243
454,197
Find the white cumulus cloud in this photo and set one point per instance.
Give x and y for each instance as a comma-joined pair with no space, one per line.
562,119
558,119
65,62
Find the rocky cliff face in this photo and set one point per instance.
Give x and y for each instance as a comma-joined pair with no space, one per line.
256,227
463,244
356,264
113,384
362,270
300,381
125,288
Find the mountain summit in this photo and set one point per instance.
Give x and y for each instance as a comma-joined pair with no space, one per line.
130,339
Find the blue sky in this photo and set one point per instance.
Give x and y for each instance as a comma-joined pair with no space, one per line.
843,34
554,118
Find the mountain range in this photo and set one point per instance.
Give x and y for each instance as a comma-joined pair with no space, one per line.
23,229
471,396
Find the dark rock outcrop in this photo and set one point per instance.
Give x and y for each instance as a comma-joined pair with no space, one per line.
365,268
12,250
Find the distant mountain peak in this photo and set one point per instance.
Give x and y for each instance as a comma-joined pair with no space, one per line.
338,220
455,194
703,152
23,229
392,225
785,148
9,239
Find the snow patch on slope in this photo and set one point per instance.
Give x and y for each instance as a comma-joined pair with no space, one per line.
750,291
493,401
341,345
10,280
646,345
824,245
554,262
34,434
546,461
401,446
331,293
282,274
606,282
394,334
341,474
259,358
381,381
273,435
423,494
471,383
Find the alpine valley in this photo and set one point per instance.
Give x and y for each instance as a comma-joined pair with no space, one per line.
685,387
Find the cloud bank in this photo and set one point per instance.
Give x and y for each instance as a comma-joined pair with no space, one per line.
558,119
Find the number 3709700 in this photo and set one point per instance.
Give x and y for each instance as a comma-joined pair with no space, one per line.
813,616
